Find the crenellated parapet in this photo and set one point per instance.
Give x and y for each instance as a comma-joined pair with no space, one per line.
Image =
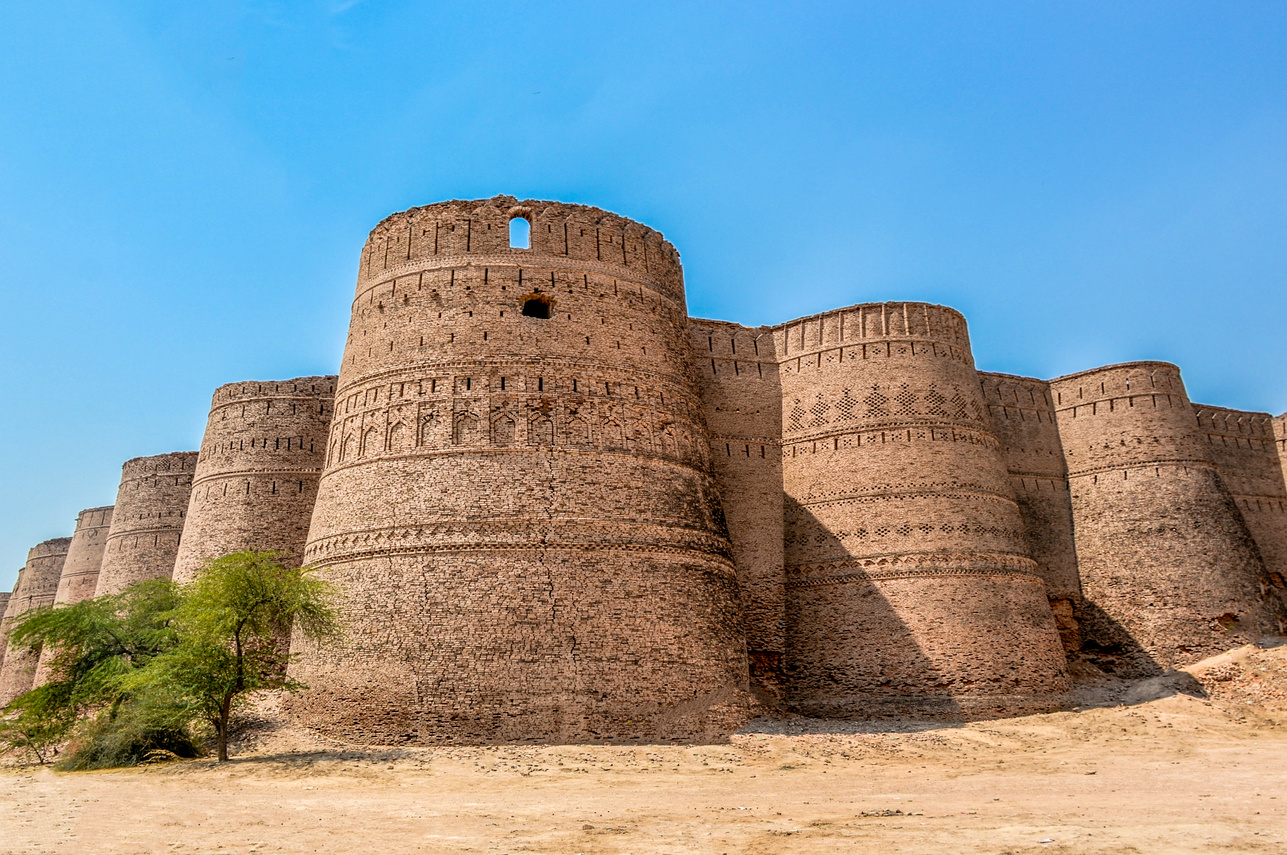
467,235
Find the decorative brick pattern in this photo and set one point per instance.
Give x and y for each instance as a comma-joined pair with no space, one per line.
910,585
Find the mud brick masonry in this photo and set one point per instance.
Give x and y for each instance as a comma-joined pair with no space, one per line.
557,508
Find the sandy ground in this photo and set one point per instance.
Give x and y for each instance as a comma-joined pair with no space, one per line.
1173,774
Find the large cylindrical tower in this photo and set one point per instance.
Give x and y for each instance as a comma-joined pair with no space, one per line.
517,502
1243,447
36,587
256,476
1169,570
79,577
151,505
910,589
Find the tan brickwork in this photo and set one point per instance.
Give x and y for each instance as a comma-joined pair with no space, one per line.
737,372
1168,567
151,504
1244,449
4,604
559,509
79,577
1023,419
520,509
256,477
37,585
910,588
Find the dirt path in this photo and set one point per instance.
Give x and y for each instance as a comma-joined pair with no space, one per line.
1177,774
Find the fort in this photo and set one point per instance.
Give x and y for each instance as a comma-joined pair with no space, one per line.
559,509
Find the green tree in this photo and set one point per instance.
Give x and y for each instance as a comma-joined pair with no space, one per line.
97,643
231,624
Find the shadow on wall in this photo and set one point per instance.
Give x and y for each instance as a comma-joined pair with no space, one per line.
850,654
1110,647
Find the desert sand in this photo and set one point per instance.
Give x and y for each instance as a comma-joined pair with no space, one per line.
1176,764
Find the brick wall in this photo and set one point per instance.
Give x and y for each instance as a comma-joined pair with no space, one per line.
737,373
1023,420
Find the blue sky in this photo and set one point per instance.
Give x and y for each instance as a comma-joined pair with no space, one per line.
185,188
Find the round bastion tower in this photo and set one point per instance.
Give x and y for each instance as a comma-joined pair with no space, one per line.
256,476
1169,570
37,584
79,578
910,588
147,521
517,503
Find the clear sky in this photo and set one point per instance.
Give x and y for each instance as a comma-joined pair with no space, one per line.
185,187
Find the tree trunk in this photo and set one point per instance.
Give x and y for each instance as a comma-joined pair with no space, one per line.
221,729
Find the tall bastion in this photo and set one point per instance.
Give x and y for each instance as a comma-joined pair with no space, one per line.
559,509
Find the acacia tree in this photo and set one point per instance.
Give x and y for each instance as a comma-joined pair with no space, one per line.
96,643
229,625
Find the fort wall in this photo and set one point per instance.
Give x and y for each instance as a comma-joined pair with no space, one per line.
910,589
1022,411
1279,427
5,619
519,508
1169,569
151,504
256,475
737,372
37,585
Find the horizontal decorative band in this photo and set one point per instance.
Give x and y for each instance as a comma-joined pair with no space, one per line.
526,262
1143,464
878,568
527,534
306,474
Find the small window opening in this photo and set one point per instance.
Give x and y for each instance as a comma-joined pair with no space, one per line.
536,306
520,233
